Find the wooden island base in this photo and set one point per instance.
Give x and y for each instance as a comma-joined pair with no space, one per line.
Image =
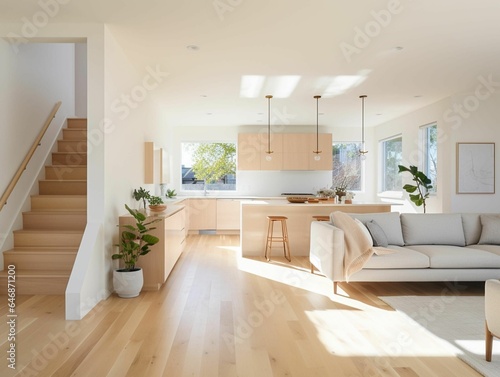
300,215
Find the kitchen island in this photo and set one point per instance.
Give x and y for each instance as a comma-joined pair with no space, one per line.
300,215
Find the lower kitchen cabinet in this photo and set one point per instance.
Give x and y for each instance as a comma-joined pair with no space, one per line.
160,261
228,214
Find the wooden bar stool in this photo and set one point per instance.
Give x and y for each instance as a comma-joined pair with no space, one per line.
321,218
271,238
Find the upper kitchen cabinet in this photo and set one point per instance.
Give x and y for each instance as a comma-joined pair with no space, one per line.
290,152
298,152
271,161
326,158
249,146
252,150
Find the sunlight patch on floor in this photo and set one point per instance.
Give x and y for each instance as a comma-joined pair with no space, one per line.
371,336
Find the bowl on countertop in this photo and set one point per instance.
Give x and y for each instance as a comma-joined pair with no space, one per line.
297,199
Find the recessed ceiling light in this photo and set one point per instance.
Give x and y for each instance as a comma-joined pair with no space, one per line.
193,47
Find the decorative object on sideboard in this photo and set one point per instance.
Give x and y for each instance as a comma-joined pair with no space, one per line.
135,241
141,194
269,151
349,196
156,204
362,151
171,193
317,152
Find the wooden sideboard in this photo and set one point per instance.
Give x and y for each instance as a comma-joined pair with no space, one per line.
160,261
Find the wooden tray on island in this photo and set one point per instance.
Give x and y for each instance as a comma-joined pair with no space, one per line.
297,199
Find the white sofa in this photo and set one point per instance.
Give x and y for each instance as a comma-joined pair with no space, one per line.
427,247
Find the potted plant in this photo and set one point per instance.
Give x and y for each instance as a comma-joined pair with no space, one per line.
156,204
422,186
135,241
141,194
171,193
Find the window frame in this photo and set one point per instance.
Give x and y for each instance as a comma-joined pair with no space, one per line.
198,190
424,155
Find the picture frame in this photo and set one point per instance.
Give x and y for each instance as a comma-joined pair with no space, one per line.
475,168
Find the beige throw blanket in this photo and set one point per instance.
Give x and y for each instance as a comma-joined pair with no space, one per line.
357,248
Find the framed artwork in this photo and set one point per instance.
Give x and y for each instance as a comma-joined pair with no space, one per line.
475,168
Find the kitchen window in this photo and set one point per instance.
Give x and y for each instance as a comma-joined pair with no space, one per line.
208,166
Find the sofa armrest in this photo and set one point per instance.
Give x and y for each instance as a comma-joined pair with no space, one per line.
492,305
326,251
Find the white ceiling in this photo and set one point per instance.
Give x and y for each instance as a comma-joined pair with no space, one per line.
446,46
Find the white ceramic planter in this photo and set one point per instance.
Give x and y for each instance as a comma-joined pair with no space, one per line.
128,283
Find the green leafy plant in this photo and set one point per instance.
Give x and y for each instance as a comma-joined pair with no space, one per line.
171,193
141,194
422,185
155,200
212,161
135,241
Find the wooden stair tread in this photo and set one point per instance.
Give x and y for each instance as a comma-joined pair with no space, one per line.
56,212
56,180
42,231
62,196
38,273
43,249
59,166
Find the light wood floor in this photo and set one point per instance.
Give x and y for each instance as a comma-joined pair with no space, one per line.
218,315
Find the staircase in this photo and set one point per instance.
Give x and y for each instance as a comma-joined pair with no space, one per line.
45,249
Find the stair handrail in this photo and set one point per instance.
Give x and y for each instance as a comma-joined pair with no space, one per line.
22,167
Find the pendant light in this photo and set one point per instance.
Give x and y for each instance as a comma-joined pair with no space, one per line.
362,151
269,151
317,152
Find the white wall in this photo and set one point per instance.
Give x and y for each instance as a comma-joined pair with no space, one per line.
28,94
81,80
461,118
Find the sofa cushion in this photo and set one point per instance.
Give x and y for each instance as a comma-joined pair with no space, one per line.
365,231
376,233
490,233
403,257
447,256
432,229
471,223
388,221
494,249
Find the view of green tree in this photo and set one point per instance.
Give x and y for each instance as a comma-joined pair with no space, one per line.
213,161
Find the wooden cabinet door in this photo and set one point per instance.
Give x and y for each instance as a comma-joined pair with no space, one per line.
202,213
228,214
249,146
326,157
295,151
276,158
175,237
